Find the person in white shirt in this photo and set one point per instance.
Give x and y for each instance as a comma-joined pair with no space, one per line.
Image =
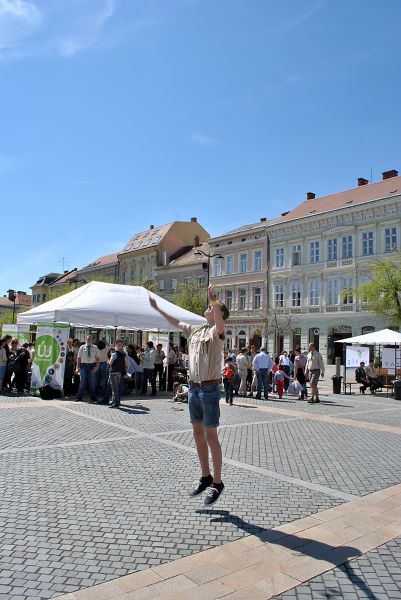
242,364
149,369
87,365
285,363
159,366
262,363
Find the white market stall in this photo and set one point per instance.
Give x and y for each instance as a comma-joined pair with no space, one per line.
389,343
103,305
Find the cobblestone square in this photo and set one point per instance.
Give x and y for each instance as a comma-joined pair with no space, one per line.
90,495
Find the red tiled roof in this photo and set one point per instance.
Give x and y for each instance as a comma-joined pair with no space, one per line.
189,257
65,277
21,300
103,260
348,198
147,238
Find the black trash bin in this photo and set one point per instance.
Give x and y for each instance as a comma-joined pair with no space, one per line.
397,389
337,384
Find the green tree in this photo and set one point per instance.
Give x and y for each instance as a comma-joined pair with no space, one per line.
191,297
383,290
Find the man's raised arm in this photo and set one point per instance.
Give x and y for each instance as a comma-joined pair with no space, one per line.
172,320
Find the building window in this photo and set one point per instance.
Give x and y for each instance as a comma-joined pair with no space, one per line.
367,243
133,275
141,273
152,272
332,249
314,252
229,299
296,294
173,285
257,260
256,297
241,299
201,280
347,246
348,295
217,266
314,293
296,255
229,264
390,239
33,299
124,277
279,295
332,292
279,257
187,280
161,285
243,263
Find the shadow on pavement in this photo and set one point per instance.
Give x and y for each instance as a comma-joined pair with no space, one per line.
312,548
134,410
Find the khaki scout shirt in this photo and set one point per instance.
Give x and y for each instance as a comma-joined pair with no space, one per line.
205,352
315,361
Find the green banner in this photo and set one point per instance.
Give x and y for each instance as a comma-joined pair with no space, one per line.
49,357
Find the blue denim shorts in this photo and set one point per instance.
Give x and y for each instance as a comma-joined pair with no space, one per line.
204,405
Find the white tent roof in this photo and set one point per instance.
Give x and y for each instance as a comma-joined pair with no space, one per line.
385,337
103,305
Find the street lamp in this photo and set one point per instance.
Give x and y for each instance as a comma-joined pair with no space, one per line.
207,266
12,296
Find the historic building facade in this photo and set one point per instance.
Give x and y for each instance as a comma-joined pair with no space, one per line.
319,253
238,269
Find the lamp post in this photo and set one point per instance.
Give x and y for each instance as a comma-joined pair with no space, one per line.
208,255
12,295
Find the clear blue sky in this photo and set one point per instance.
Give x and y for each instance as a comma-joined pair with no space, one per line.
116,114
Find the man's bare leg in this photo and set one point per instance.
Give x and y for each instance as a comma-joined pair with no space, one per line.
215,450
198,430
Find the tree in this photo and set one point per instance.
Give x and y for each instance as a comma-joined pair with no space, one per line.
383,290
276,323
191,297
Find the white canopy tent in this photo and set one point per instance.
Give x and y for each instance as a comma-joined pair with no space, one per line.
108,305
385,337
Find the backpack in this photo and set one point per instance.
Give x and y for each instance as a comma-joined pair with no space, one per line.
48,393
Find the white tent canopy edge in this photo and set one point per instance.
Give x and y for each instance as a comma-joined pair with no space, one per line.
108,305
384,337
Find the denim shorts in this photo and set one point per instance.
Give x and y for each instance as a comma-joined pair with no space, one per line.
204,405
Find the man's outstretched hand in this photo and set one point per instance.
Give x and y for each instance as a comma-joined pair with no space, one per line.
211,293
153,303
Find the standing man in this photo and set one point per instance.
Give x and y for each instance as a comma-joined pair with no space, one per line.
205,349
242,364
159,367
149,369
262,363
315,368
118,368
87,365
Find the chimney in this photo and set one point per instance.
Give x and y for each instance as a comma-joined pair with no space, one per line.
152,227
263,219
362,181
285,213
389,174
196,241
194,219
310,195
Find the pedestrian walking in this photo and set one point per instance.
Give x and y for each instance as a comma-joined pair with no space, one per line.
299,371
228,380
149,369
87,365
205,349
242,365
159,367
314,368
118,368
286,364
263,364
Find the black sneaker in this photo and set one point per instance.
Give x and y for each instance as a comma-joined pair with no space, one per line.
213,494
202,485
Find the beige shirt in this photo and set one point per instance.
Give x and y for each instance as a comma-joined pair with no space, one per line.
315,361
88,354
103,354
242,362
369,371
205,352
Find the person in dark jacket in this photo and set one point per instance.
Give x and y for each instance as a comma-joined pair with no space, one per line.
21,368
118,368
361,377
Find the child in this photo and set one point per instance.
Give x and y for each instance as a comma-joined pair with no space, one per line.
279,377
228,380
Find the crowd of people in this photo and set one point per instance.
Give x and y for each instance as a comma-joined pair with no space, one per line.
248,370
15,363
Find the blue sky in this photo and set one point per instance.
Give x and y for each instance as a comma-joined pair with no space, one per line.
116,114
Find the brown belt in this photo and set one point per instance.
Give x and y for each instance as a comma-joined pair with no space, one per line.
195,384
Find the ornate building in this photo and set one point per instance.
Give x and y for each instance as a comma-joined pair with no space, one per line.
319,252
